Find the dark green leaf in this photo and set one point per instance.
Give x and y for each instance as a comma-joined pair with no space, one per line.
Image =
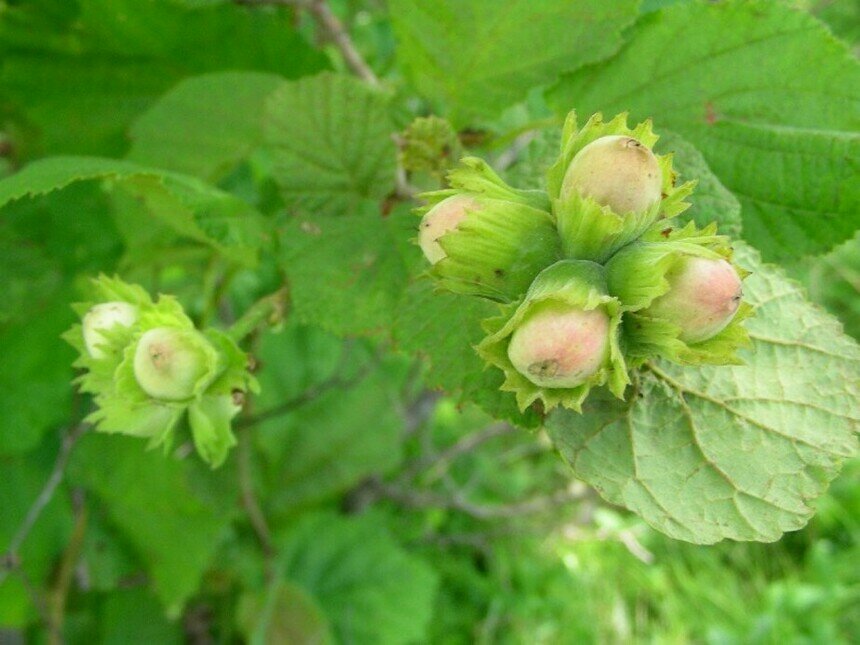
174,513
767,96
81,70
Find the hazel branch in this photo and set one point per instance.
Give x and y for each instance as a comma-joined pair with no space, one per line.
333,31
11,559
270,310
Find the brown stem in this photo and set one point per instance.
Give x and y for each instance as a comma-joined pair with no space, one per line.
60,589
252,505
332,29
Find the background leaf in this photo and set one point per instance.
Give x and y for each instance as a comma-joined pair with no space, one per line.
205,125
349,427
767,96
376,594
174,513
711,201
191,207
80,70
346,273
478,56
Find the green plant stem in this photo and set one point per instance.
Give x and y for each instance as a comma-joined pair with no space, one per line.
270,310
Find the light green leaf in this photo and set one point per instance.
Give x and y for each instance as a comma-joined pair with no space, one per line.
205,125
174,513
330,142
190,206
736,452
81,70
711,201
377,594
346,273
480,56
765,93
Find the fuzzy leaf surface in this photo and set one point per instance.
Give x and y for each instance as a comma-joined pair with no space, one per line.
737,452
765,93
480,56
330,142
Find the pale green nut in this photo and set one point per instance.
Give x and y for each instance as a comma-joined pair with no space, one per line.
442,218
703,297
103,317
170,362
616,171
559,346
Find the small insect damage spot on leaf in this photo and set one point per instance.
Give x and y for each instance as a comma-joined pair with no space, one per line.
711,115
310,228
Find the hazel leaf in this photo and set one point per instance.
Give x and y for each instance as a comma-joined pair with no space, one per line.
480,56
765,93
331,145
732,452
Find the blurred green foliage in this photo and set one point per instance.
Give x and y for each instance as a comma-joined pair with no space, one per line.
391,512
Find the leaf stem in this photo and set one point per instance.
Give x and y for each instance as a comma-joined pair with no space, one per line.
270,310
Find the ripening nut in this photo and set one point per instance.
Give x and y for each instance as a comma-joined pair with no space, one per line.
558,346
103,317
443,217
703,297
616,171
169,362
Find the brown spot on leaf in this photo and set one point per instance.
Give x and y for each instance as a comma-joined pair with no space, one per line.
310,228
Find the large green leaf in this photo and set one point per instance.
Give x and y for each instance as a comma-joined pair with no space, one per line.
346,273
480,56
765,93
205,125
739,452
711,201
345,425
174,513
372,590
190,206
331,143
80,70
